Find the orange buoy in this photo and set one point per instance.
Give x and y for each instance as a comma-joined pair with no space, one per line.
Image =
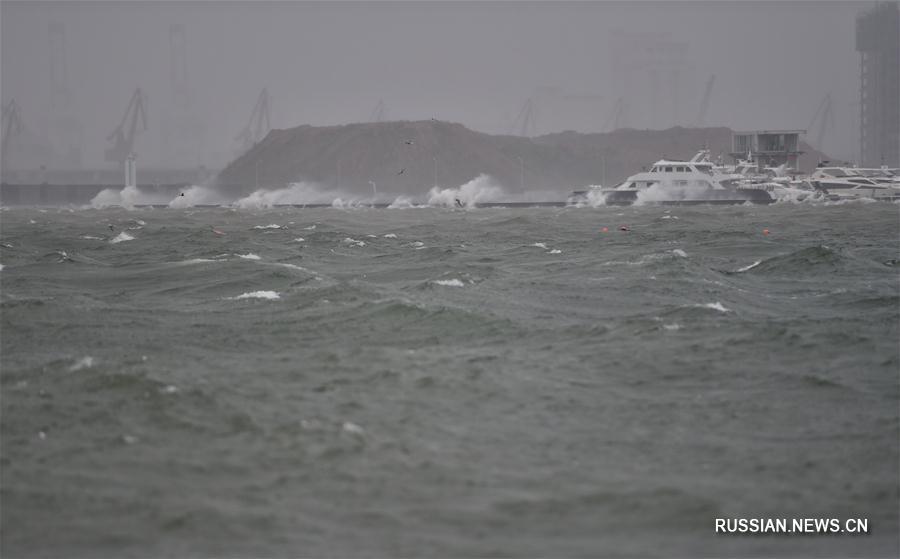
605,230
765,231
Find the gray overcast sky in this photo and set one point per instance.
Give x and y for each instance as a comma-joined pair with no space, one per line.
470,62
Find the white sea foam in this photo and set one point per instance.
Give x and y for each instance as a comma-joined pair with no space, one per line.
679,252
539,245
291,266
673,326
299,240
716,306
353,242
749,267
83,363
352,428
197,261
389,236
310,228
269,226
1,267
269,295
121,237
480,189
248,256
449,283
556,251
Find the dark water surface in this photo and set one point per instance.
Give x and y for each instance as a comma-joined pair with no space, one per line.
431,383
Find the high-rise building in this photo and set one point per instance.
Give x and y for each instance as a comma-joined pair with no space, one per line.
878,43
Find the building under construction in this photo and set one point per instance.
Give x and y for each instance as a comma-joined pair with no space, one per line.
878,43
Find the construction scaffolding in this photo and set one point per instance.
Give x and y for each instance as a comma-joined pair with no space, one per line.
878,43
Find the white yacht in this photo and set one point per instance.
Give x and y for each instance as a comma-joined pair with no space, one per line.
697,181
850,183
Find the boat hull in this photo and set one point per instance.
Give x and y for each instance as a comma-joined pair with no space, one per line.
693,197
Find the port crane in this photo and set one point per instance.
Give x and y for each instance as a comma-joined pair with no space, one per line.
824,117
524,121
704,103
379,112
123,140
616,117
12,126
258,125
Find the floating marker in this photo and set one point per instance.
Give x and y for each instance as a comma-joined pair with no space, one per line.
624,228
605,230
765,231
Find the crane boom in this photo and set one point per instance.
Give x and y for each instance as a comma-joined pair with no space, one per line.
259,124
123,140
704,103
12,127
824,117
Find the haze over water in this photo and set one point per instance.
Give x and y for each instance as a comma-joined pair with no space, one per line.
431,382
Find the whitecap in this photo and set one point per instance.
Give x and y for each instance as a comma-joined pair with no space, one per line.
352,428
291,266
679,252
299,240
121,237
270,295
310,228
197,261
269,226
82,363
673,326
539,245
749,267
716,306
449,283
556,251
91,238
249,256
389,236
353,242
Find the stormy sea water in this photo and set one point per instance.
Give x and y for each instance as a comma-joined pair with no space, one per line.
435,382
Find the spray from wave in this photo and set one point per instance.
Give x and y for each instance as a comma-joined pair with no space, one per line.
480,189
298,193
127,197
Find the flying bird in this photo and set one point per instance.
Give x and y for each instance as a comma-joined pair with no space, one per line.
402,171
409,142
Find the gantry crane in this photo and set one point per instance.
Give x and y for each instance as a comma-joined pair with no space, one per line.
12,126
258,125
123,140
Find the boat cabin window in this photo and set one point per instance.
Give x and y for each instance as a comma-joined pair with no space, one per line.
668,169
835,172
